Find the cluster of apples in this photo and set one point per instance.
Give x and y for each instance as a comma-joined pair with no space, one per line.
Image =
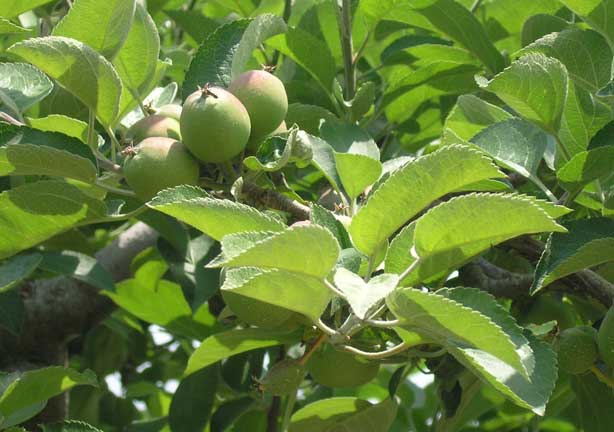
214,125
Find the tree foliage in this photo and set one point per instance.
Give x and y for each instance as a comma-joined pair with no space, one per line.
428,230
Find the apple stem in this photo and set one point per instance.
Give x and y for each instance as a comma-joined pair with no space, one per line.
312,349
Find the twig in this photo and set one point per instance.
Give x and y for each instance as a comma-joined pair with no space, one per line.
377,355
361,49
91,130
427,354
325,329
351,325
585,282
275,408
309,352
290,401
334,289
410,269
108,165
213,185
7,118
383,323
602,377
495,280
275,200
344,19
286,17
115,190
273,414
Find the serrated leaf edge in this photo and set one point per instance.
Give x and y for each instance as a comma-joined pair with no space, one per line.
512,196
223,259
418,330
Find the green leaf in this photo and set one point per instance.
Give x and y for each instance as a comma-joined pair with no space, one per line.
450,323
78,266
344,414
454,20
596,13
357,172
16,269
487,305
227,51
12,8
398,256
7,27
532,393
194,23
212,63
594,400
13,135
102,25
229,414
458,229
24,84
585,54
12,311
361,295
159,303
323,217
29,159
469,116
310,250
77,68
276,152
220,346
193,401
308,117
69,426
583,116
349,138
137,59
540,25
24,155
411,188
589,242
214,217
535,87
323,157
297,292
585,167
309,52
515,143
259,30
35,387
356,156
426,62
34,212
391,10
409,102
363,100
67,126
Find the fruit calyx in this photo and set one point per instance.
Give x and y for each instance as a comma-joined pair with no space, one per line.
206,91
129,150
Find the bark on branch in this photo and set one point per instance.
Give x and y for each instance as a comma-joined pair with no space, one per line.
275,200
502,283
58,309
